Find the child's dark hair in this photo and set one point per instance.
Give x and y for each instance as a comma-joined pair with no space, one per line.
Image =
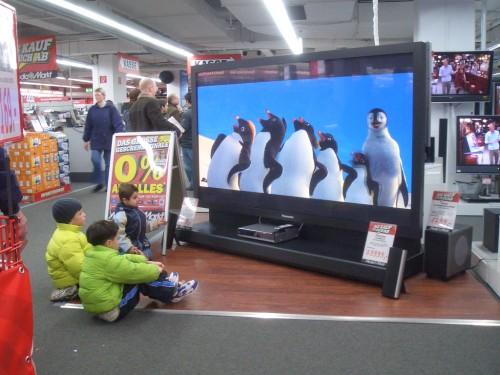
101,231
125,191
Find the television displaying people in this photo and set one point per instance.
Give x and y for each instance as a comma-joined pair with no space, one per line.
460,73
479,141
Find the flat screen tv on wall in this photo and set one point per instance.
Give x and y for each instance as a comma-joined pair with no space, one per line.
330,138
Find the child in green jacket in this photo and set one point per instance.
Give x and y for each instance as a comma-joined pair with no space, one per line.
65,249
111,284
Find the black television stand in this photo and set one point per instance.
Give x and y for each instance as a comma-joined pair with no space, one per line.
332,251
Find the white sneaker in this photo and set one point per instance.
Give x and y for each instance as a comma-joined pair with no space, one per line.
64,294
173,277
110,316
184,290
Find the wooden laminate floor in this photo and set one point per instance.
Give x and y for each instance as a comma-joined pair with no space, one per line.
239,284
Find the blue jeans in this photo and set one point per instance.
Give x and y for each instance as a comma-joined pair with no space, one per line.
95,157
187,156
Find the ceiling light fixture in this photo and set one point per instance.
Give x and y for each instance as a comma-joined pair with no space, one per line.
118,26
76,80
49,85
75,64
494,47
278,12
141,77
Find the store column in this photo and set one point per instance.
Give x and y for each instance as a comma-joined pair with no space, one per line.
110,79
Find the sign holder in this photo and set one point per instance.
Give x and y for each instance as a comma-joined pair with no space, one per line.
152,161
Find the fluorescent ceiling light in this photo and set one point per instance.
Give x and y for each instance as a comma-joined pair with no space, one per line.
76,80
120,27
49,84
75,64
278,12
141,77
131,87
496,74
494,47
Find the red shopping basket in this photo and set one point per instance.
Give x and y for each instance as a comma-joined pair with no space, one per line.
16,306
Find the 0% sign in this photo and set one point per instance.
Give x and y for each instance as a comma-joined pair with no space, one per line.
127,169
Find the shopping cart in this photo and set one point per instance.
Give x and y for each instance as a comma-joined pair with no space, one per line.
10,244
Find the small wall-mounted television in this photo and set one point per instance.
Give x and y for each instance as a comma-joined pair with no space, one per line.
461,76
329,138
478,144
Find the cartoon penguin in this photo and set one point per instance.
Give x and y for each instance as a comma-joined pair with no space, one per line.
328,183
384,159
362,188
263,167
297,159
230,155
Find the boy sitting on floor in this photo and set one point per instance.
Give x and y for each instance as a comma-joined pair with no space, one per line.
111,284
65,249
132,223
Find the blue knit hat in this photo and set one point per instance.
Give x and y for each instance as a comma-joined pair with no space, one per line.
65,209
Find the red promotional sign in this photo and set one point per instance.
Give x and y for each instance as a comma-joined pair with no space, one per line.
144,160
37,57
10,99
128,64
197,60
379,241
103,79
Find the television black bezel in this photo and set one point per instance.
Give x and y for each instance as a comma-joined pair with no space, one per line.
479,168
320,212
463,98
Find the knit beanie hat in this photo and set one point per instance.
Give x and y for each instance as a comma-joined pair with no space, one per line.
65,209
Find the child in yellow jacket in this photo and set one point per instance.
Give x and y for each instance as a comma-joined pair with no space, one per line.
66,249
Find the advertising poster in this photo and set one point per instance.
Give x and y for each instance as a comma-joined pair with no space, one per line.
145,160
37,57
379,242
10,100
443,210
128,64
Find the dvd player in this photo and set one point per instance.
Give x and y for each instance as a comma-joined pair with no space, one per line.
475,198
269,232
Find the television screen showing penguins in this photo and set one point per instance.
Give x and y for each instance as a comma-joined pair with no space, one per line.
343,139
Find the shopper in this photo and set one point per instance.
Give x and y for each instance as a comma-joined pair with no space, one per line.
460,80
103,120
445,76
173,108
111,284
132,96
186,140
145,114
65,249
11,196
132,223
491,139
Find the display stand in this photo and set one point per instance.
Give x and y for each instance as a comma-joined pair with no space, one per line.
333,251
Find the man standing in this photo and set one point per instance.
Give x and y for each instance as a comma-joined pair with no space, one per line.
186,140
491,139
445,76
145,114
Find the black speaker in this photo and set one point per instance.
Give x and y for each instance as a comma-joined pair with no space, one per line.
171,225
430,151
394,273
491,229
447,253
166,76
443,143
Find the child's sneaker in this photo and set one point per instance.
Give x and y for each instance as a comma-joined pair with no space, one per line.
65,294
110,316
173,277
184,289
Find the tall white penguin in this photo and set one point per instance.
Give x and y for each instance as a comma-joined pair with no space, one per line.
384,159
298,162
263,165
230,155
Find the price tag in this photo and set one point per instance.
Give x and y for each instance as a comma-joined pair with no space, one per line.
443,210
379,241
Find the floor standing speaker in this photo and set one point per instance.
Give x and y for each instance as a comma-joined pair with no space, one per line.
447,253
443,143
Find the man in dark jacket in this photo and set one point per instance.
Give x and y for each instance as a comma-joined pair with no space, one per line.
103,120
145,114
186,140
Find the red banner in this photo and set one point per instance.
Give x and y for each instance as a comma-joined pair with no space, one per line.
197,60
10,99
16,322
37,57
145,160
128,64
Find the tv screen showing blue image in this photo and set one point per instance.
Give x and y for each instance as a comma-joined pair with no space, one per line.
337,130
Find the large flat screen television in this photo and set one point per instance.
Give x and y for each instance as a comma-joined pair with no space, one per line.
478,144
330,138
461,76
